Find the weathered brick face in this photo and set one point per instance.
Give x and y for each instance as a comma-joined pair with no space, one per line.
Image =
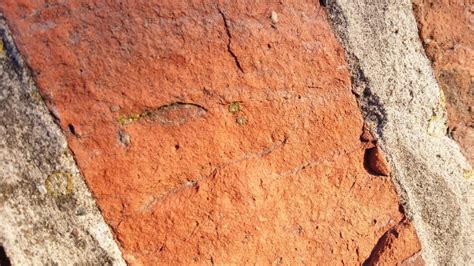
211,133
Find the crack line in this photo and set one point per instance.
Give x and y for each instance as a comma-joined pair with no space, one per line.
229,40
213,173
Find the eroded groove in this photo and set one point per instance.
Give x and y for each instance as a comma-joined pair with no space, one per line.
176,113
229,39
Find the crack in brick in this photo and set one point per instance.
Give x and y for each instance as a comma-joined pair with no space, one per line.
308,164
229,39
255,155
213,173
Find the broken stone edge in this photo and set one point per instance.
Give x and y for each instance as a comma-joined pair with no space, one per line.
404,107
48,215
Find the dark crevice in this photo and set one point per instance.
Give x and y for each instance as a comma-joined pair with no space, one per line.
4,260
369,103
56,119
229,40
367,158
373,110
11,53
177,104
72,129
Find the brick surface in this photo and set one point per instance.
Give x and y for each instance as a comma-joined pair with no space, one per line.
211,133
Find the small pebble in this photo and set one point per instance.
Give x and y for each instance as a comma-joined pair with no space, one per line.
114,108
123,137
274,17
42,190
241,120
75,232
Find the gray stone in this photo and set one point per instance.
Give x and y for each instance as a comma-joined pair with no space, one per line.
404,106
41,189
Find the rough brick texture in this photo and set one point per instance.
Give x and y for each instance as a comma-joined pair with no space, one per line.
211,133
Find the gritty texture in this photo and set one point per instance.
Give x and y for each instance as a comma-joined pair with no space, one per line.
401,101
446,29
47,214
211,133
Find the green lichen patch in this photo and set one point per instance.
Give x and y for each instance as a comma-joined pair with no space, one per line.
234,107
59,184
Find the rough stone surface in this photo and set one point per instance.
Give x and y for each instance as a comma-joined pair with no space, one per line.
211,133
47,215
404,106
446,29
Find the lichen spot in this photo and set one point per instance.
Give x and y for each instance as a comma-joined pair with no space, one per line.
234,107
59,184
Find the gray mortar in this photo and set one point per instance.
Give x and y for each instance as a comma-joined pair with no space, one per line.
42,220
403,104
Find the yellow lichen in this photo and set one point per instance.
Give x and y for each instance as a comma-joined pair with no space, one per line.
468,174
59,183
36,96
442,99
234,107
2,48
436,126
241,120
127,119
372,126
